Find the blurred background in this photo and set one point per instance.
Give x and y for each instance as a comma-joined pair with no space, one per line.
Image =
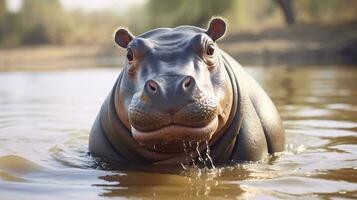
52,34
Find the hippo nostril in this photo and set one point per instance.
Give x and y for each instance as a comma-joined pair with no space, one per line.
152,86
187,82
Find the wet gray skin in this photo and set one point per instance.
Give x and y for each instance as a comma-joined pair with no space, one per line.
179,95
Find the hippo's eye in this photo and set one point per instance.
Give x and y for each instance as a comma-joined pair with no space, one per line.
129,54
210,50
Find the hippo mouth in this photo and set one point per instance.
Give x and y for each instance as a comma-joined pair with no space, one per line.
171,137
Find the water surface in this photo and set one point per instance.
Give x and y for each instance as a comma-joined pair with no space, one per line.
45,118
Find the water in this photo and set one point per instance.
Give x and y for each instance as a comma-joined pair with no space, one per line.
45,119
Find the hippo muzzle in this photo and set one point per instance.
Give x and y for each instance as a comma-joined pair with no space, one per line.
170,109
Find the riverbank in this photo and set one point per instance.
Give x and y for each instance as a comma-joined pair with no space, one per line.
289,46
297,45
59,57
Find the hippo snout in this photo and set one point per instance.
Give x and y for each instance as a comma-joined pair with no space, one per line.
171,100
182,87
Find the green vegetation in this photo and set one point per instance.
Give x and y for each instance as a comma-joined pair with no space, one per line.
46,22
176,12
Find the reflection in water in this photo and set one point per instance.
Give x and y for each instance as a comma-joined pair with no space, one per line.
45,119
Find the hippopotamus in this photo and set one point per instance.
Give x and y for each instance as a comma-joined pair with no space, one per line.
180,99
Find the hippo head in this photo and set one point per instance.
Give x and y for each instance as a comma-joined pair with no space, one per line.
174,86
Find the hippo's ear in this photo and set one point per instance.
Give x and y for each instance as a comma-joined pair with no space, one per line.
216,29
123,37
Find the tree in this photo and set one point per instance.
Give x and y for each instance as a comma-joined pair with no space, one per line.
2,8
286,6
10,25
177,12
44,21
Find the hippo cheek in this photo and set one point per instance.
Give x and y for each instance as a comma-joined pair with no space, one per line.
199,113
144,118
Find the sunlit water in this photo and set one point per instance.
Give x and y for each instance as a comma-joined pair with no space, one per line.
45,118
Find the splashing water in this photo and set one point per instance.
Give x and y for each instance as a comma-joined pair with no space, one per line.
199,160
199,157
208,152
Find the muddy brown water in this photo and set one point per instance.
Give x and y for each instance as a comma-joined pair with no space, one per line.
45,118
